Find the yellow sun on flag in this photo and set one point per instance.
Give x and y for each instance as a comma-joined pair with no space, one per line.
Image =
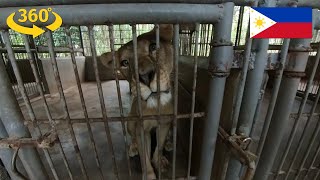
259,22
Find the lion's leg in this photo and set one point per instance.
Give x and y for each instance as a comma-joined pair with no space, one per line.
133,148
147,152
162,162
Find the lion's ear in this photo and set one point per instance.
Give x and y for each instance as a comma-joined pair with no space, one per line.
106,59
166,32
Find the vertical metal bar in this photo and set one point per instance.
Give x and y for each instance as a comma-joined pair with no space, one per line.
250,95
101,97
194,86
239,26
234,164
25,98
6,154
136,69
158,93
45,104
175,100
312,163
297,118
221,56
81,39
311,141
111,37
275,91
39,65
12,119
282,108
64,103
83,104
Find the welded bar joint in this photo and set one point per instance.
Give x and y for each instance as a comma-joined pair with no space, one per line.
46,141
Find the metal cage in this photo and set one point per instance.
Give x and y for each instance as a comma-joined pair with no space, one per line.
268,127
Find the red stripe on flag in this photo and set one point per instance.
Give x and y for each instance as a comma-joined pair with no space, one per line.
287,30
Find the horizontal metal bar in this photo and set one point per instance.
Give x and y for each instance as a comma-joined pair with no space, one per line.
119,119
309,3
46,141
43,49
119,13
15,3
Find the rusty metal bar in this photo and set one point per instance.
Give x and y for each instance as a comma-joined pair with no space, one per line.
24,95
46,141
219,66
193,103
12,118
64,102
111,37
83,103
42,49
136,74
101,97
6,154
130,118
45,104
300,111
175,100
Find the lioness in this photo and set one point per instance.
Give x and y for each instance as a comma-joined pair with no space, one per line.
146,51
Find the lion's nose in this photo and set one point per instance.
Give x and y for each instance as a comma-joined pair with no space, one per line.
147,77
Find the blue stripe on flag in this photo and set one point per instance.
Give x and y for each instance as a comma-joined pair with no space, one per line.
287,14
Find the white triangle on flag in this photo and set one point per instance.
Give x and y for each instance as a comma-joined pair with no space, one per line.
259,22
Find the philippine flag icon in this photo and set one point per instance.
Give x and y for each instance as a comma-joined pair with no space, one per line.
281,22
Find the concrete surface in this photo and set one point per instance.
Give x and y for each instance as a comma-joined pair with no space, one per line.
94,110
65,70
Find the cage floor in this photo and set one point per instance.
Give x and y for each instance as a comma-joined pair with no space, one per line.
99,133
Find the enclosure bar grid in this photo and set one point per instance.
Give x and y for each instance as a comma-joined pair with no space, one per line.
5,154
208,36
219,70
311,142
83,104
141,124
305,177
282,110
300,111
257,112
12,119
125,136
45,104
101,97
175,100
275,92
158,95
24,95
193,101
236,107
251,94
141,13
64,102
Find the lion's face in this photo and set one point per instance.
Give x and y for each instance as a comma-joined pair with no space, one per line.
147,58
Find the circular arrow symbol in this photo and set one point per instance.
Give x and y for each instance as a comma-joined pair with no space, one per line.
34,31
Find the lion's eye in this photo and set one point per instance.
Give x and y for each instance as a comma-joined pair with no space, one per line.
152,47
124,63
